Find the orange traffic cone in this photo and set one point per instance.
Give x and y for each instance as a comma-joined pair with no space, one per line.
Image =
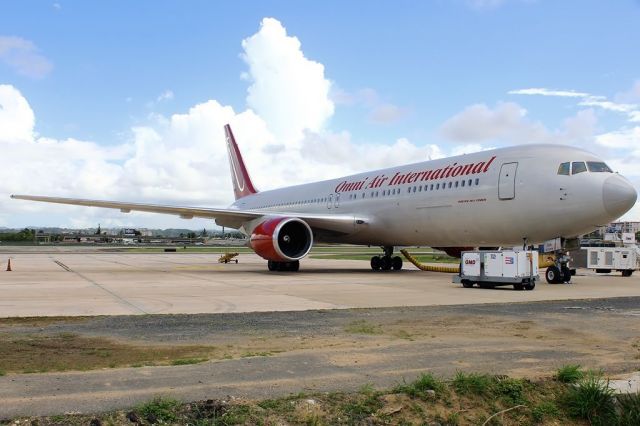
9,265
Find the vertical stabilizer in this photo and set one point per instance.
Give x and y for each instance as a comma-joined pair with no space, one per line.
242,185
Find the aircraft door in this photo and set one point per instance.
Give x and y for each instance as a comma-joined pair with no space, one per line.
507,182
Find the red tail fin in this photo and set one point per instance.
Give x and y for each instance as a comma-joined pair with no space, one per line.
242,185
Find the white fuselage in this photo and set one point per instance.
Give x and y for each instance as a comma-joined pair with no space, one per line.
490,198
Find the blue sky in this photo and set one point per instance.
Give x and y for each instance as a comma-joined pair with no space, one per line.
429,78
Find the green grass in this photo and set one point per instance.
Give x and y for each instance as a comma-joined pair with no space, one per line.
591,399
629,409
159,409
362,327
471,383
419,387
544,411
468,398
188,361
570,373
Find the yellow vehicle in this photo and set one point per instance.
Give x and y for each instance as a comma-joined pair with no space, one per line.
228,257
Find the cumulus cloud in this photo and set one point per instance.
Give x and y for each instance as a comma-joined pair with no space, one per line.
288,90
479,123
24,57
508,123
181,158
628,138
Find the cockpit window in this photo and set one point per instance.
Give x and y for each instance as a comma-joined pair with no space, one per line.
598,167
564,169
578,167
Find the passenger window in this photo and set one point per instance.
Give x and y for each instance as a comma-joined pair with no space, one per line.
449,184
457,184
578,167
563,169
463,182
598,167
477,181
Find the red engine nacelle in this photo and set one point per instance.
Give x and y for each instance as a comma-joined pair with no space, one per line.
282,239
454,251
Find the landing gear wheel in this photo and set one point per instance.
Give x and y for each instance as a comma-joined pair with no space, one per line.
294,266
627,273
376,263
283,266
553,275
530,286
385,263
566,274
467,283
396,263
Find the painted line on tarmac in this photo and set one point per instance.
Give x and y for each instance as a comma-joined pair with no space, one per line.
101,287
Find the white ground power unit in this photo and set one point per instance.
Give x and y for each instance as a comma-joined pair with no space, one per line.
607,259
493,268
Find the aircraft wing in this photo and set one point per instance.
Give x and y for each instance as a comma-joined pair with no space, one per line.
230,218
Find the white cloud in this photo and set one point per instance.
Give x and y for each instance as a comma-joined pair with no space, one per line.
289,91
23,56
387,113
628,138
587,99
380,112
507,122
548,92
167,95
182,158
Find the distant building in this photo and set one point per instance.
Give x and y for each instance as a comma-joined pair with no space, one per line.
630,227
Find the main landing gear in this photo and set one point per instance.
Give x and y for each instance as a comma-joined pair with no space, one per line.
387,261
283,266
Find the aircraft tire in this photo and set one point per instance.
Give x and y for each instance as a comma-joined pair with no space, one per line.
530,286
385,263
396,263
627,273
293,266
553,275
376,263
566,274
271,265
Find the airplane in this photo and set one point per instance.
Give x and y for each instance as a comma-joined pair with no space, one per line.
495,198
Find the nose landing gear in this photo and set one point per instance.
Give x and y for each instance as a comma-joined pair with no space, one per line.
387,261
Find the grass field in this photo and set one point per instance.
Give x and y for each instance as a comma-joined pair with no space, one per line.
466,399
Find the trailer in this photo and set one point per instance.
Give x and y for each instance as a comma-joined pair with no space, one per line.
607,259
491,268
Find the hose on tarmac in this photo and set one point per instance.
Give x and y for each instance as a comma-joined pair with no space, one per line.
430,268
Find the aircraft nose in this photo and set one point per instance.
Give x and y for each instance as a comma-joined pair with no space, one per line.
618,195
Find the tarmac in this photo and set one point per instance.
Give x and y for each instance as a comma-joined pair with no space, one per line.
91,282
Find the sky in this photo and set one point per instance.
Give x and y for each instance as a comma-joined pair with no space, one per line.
127,100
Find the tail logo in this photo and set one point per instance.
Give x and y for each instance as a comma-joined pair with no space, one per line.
234,166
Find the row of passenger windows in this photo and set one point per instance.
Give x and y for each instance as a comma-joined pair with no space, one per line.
579,167
384,193
419,188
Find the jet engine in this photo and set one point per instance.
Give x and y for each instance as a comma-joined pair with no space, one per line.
282,239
